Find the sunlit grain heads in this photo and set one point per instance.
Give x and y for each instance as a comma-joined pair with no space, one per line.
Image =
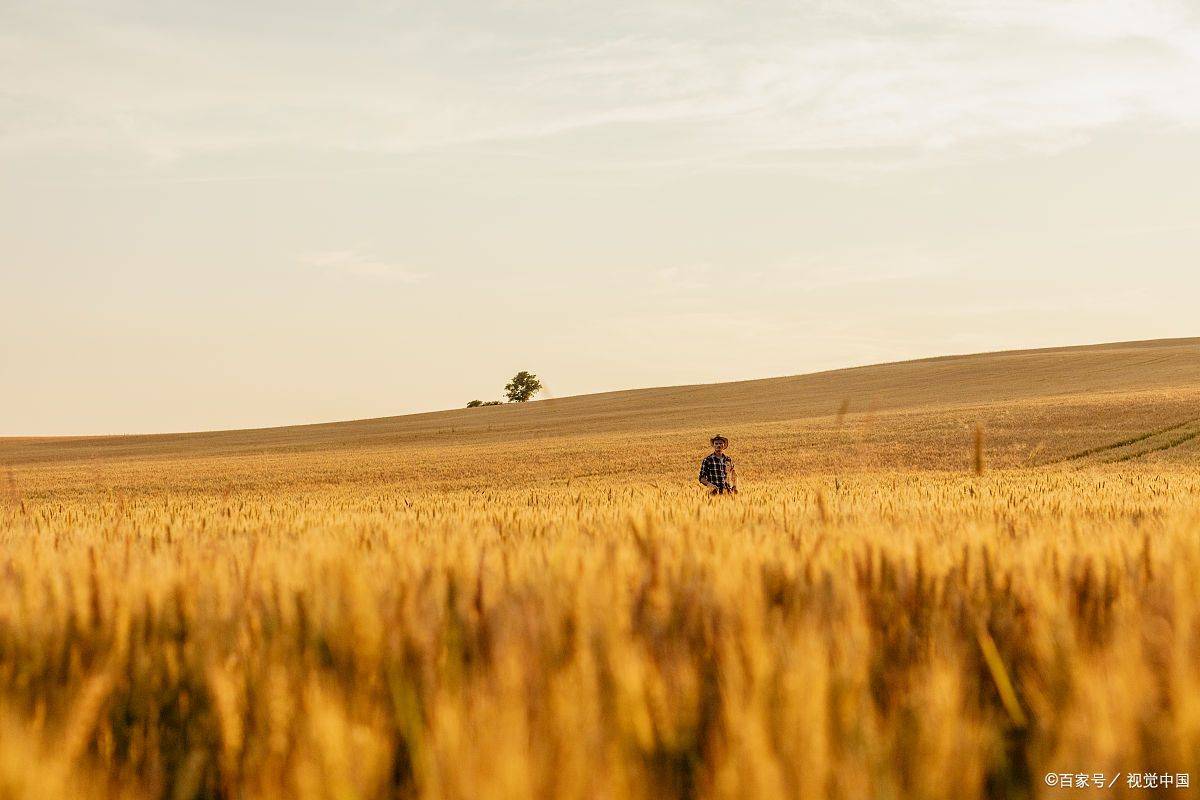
826,636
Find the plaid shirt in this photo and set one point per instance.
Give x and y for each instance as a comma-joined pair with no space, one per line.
715,468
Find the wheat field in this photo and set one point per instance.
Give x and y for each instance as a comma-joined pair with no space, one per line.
538,601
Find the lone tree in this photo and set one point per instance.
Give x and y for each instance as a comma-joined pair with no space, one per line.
522,387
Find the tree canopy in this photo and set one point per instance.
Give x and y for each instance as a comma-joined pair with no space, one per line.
522,387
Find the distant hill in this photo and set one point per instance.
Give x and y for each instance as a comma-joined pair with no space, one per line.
1162,379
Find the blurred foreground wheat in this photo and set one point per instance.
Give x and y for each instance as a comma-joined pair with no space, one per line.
870,635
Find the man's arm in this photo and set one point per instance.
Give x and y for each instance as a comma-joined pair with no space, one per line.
704,481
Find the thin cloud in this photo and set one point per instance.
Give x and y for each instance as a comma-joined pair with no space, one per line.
361,265
682,279
698,85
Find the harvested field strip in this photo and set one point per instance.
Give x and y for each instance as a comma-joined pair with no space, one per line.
1108,448
1168,445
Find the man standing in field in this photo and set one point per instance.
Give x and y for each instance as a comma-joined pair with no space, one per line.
716,470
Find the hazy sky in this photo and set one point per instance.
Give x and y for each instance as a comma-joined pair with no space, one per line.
228,214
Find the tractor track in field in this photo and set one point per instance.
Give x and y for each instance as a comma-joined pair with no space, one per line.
1143,444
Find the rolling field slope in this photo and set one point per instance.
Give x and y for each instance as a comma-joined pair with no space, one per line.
1075,404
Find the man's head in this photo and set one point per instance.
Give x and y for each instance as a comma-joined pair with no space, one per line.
719,443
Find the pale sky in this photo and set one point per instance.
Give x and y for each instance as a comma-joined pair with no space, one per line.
230,214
